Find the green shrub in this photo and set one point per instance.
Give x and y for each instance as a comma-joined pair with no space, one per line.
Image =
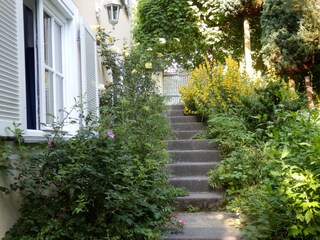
270,163
295,147
215,87
263,213
108,181
285,205
94,186
260,107
242,154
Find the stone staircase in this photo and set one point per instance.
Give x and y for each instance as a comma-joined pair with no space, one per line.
191,161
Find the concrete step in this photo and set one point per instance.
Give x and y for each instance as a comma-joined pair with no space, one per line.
208,226
194,155
188,134
192,183
177,107
200,201
187,126
174,113
183,169
191,144
182,119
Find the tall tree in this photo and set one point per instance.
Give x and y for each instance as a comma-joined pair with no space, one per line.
290,37
230,25
291,40
206,28
173,23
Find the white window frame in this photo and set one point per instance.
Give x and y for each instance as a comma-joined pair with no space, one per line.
62,21
76,82
66,15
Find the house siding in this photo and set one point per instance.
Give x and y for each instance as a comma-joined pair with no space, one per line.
10,203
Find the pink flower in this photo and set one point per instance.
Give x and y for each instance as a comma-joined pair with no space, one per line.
50,143
181,222
111,134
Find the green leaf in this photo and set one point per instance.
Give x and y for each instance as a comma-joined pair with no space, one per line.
308,216
285,152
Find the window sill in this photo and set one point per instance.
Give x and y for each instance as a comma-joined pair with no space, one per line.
38,136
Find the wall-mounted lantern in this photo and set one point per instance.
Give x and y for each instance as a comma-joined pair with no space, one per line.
113,9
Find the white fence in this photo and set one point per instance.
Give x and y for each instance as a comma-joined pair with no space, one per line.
171,84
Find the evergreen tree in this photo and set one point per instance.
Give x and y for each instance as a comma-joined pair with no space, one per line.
290,41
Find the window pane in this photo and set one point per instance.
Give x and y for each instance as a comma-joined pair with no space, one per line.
49,97
47,39
59,98
58,47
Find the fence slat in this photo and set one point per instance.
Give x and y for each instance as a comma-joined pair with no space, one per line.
171,85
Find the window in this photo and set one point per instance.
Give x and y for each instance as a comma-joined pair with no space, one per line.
42,67
53,63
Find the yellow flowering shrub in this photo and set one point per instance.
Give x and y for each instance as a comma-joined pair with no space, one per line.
214,87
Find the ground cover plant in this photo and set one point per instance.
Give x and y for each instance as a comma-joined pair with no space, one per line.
109,180
270,143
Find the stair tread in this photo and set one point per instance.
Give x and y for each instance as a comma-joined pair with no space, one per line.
190,140
190,131
173,177
196,151
193,164
208,226
196,123
202,195
186,116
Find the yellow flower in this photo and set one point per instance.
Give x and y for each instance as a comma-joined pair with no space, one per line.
95,28
101,87
148,65
114,49
162,40
125,53
111,39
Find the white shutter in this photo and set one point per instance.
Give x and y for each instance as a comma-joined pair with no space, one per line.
89,69
11,64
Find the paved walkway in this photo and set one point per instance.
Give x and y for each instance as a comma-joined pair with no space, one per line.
192,159
208,226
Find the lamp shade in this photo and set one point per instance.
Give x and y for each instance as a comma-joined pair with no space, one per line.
113,9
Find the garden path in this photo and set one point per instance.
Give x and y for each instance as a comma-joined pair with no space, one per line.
191,161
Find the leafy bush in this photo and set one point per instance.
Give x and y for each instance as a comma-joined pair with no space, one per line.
263,213
109,180
242,154
276,181
215,87
270,154
94,186
260,107
295,148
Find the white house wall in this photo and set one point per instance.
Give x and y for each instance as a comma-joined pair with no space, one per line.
95,14
9,204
